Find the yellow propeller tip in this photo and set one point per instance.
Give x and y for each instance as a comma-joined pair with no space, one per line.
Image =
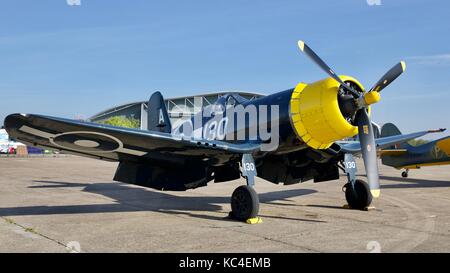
375,193
403,65
301,45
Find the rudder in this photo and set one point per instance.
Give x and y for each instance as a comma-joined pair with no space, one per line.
389,129
157,115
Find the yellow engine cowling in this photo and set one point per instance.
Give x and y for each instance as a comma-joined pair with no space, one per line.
315,114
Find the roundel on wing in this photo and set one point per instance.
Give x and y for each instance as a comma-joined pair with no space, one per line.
87,141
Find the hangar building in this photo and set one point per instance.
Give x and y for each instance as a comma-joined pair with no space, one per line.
177,107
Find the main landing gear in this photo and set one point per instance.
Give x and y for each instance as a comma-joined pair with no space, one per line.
357,192
358,195
244,203
245,200
405,173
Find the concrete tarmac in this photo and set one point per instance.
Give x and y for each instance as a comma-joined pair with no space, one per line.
70,203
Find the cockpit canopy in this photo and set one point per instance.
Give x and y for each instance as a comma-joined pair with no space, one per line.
224,102
230,100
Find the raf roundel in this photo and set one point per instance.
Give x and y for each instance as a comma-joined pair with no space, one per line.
87,142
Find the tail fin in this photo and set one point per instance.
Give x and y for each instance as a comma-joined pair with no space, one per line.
389,129
157,117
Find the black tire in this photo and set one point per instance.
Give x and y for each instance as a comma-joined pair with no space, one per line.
244,203
359,197
404,174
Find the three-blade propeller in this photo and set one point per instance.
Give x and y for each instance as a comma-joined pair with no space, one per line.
362,120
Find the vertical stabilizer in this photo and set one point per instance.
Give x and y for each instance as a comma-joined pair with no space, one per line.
158,118
389,129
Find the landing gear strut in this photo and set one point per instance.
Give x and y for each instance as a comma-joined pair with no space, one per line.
405,173
245,201
357,192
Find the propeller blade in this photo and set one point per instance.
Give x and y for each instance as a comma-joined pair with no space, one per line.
369,151
389,77
316,59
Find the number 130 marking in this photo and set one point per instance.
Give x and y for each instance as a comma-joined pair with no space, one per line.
249,166
350,165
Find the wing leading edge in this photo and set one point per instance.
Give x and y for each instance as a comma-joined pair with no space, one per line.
384,142
110,142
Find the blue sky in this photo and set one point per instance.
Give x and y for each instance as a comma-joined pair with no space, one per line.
73,61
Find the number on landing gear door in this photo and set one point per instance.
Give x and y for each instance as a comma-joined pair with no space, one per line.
350,164
249,167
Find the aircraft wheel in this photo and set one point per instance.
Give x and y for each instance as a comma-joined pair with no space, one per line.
244,203
359,197
404,174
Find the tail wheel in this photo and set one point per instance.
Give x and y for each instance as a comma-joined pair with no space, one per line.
244,203
404,174
358,196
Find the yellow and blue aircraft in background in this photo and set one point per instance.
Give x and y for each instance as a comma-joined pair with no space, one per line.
406,156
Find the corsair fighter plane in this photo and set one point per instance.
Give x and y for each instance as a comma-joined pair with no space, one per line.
309,122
